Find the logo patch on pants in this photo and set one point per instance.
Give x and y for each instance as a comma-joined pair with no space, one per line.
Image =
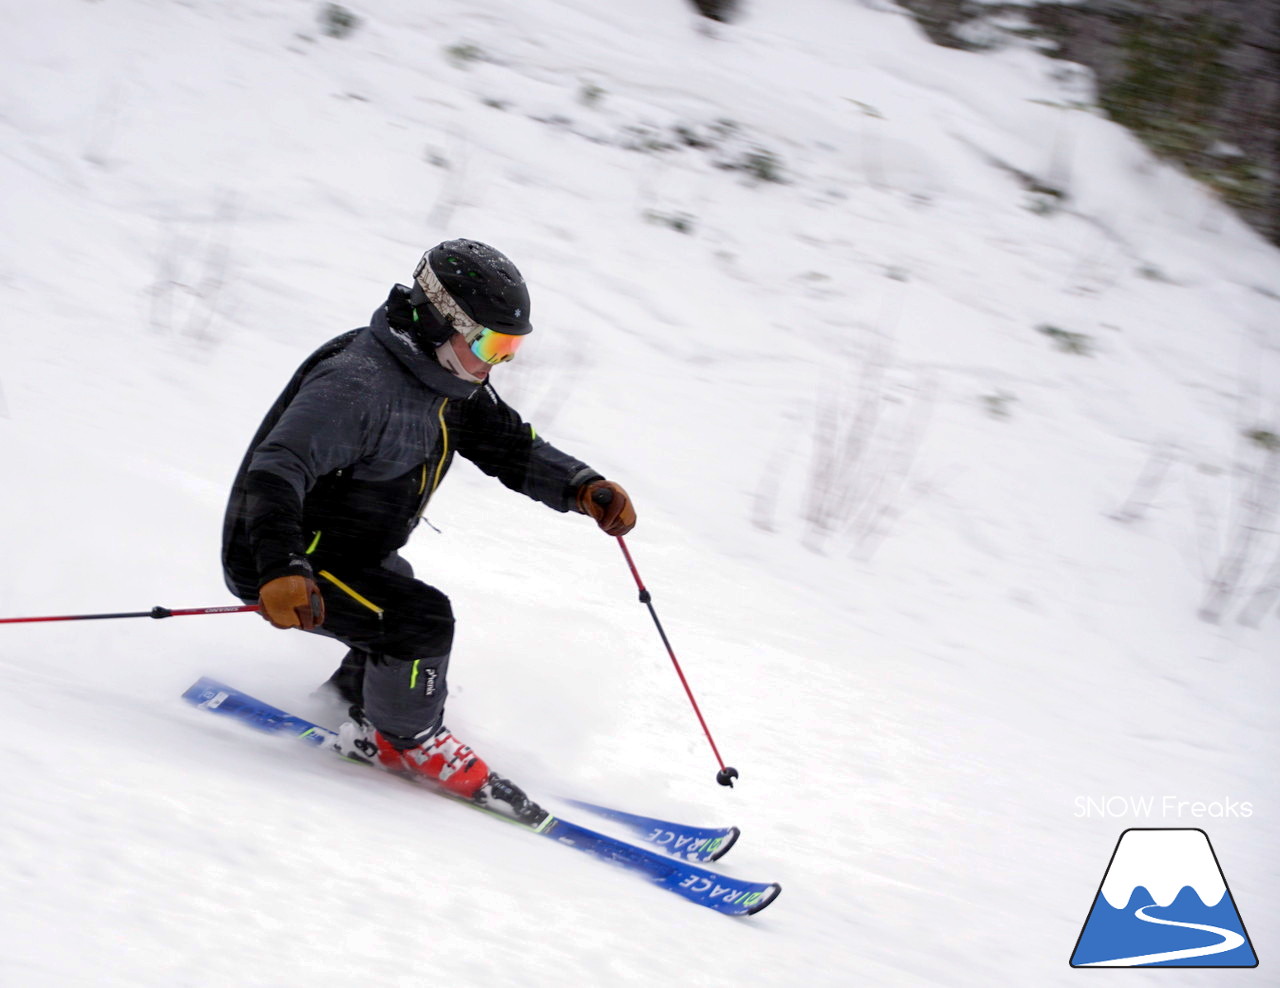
427,677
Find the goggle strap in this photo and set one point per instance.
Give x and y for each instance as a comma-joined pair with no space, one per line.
445,303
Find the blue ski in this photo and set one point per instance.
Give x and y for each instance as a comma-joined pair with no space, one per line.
707,888
677,839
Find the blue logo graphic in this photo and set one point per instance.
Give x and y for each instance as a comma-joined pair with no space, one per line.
1164,902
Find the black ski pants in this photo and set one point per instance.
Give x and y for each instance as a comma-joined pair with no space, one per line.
399,631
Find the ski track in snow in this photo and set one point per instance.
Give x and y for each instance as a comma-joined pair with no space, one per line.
915,692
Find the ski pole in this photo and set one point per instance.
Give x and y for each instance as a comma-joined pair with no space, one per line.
155,612
727,774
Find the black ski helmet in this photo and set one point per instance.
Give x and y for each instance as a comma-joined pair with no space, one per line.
467,281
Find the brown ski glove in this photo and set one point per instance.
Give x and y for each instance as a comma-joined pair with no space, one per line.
609,505
292,602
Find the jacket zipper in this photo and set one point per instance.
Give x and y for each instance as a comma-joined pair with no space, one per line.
444,455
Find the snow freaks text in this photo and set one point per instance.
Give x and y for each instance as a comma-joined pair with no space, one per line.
1164,807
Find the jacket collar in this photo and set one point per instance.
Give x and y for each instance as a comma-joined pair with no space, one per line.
392,326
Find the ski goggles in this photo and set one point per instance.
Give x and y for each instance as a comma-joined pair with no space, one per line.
491,346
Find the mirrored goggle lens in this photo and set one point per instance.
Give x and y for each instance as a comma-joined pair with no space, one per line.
495,348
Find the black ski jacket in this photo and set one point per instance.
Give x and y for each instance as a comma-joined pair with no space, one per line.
345,461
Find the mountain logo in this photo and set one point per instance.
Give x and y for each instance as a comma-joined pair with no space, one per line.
1163,902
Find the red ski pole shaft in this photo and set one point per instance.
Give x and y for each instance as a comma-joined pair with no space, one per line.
155,612
726,775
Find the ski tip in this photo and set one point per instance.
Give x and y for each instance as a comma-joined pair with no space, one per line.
774,891
729,841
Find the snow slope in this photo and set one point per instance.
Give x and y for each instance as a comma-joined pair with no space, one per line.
934,578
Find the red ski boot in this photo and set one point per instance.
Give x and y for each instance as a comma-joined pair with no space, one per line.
443,760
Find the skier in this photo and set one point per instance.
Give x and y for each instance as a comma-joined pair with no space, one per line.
340,472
